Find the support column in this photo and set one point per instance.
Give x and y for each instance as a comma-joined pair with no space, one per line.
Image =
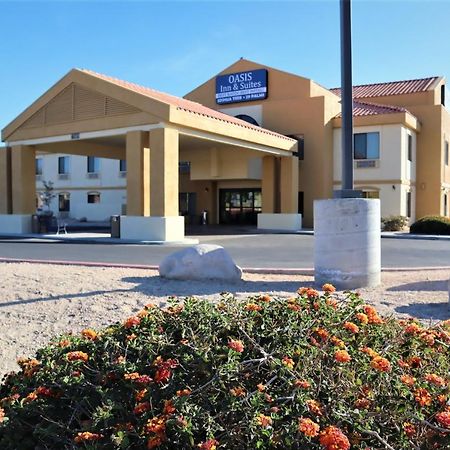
19,197
5,181
23,170
152,192
138,173
268,185
285,187
289,185
164,172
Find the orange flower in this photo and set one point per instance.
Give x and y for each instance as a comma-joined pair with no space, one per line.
337,342
314,407
423,397
210,444
264,298
64,343
428,338
443,418
77,356
415,362
322,333
169,408
332,438
312,293
141,408
183,392
87,436
252,307
236,345
237,391
362,403
139,396
342,356
362,318
369,351
381,364
155,441
409,429
263,421
2,415
302,384
308,427
408,380
328,288
131,376
413,328
88,333
350,326
288,362
372,315
260,387
132,322
435,379
156,425
31,397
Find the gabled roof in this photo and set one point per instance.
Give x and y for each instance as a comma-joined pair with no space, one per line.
181,103
391,88
373,109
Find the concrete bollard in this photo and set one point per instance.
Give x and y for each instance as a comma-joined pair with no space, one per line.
347,242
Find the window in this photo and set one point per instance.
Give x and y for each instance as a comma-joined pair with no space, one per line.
63,165
410,148
39,164
93,164
408,204
370,194
301,202
184,166
446,153
93,197
445,204
248,119
367,145
123,165
64,202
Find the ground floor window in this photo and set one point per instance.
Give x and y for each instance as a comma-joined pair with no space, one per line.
446,205
371,194
93,197
187,202
301,202
408,204
239,206
64,202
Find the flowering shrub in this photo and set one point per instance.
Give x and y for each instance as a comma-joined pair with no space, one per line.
309,372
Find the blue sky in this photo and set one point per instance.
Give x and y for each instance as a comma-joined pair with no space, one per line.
175,46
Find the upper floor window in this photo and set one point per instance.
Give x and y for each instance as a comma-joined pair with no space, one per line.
63,165
446,156
367,145
93,164
248,119
93,197
39,165
123,165
410,149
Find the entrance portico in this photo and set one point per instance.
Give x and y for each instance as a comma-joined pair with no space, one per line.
94,115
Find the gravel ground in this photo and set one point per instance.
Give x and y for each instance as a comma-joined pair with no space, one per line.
40,301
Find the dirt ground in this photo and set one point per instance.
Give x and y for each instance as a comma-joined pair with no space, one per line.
39,301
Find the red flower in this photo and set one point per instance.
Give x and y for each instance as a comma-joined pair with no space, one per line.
210,444
236,345
443,418
332,438
163,375
141,408
131,322
308,427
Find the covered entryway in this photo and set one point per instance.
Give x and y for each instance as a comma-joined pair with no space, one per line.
86,113
239,206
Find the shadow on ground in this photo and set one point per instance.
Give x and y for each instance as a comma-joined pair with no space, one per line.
426,311
161,288
431,286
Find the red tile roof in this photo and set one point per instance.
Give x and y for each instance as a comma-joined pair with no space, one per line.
390,88
183,104
373,109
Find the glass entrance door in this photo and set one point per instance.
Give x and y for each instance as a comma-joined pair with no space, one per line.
239,206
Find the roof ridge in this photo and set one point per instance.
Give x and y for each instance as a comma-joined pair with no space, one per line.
382,105
431,78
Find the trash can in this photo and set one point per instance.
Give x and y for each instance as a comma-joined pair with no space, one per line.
35,224
115,227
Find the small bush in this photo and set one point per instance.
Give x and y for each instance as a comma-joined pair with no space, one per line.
308,372
394,223
431,225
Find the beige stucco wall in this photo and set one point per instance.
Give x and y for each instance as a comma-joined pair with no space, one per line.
295,105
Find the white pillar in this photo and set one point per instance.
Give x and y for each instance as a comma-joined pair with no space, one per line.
347,242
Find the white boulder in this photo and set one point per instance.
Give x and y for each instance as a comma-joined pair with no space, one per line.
200,262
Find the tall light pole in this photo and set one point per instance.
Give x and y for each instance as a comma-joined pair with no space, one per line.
347,249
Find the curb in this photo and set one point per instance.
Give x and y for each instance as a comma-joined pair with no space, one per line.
261,270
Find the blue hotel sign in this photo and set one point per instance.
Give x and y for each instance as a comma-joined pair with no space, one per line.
241,86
